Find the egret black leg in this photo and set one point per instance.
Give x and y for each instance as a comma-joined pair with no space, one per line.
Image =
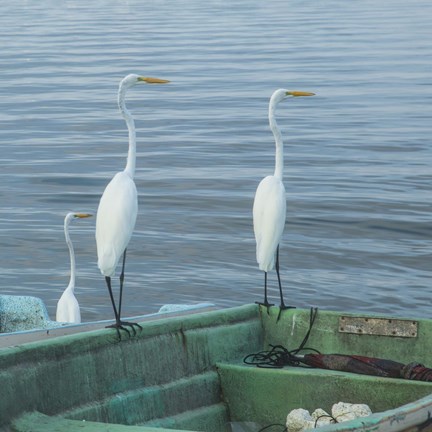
265,302
124,323
117,324
282,304
108,282
121,282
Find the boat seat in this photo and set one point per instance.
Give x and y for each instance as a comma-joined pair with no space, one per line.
38,422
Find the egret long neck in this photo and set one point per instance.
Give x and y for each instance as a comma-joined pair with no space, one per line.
279,159
130,164
72,257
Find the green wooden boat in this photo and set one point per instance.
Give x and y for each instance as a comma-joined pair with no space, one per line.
186,372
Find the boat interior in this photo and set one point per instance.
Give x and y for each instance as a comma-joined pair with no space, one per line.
188,372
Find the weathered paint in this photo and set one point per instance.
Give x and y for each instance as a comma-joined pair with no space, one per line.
272,393
326,337
37,422
166,375
167,369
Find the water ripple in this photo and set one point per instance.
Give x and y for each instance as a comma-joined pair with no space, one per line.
358,155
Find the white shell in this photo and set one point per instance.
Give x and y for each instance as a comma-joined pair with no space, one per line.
299,420
321,417
343,411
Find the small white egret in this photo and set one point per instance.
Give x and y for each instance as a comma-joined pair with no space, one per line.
68,309
118,207
269,208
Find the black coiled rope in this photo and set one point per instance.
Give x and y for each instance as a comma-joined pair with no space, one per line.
278,356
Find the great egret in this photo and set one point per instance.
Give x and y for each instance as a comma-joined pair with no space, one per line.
269,208
68,309
118,207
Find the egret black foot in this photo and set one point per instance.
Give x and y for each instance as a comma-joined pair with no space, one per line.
283,307
131,325
265,304
122,325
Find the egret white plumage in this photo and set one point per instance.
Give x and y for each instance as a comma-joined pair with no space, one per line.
68,309
269,208
118,207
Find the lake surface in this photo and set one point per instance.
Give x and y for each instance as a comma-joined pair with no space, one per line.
358,155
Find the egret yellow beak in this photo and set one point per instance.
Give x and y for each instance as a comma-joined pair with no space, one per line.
299,93
83,215
150,80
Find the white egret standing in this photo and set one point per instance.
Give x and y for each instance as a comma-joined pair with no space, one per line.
269,209
68,309
118,208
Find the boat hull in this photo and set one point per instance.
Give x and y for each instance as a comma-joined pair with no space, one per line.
187,373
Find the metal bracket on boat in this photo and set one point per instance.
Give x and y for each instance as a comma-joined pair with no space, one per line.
378,326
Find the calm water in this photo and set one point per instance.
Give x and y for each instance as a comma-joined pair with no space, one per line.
358,155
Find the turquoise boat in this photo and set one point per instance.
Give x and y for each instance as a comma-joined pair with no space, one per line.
187,372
